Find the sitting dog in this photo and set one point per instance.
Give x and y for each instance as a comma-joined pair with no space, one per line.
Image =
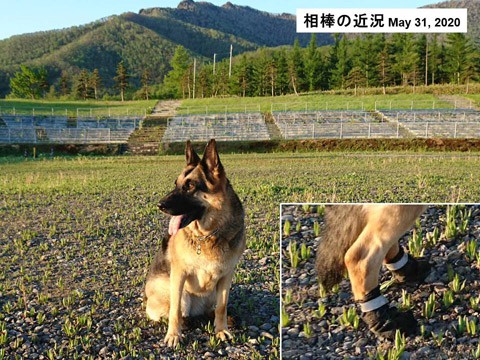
192,273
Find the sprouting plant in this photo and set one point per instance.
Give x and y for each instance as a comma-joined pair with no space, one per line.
304,252
286,228
285,318
456,285
322,292
349,317
462,325
298,227
406,301
429,306
465,216
448,298
415,244
471,249
321,311
472,327
475,302
307,330
451,225
306,208
293,254
438,338
287,299
433,237
316,229
476,352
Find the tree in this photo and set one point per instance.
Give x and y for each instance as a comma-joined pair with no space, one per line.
29,83
243,74
282,72
64,87
296,67
312,64
122,79
339,63
145,81
95,82
175,81
461,58
82,87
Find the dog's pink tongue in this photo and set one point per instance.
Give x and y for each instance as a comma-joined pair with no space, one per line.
174,225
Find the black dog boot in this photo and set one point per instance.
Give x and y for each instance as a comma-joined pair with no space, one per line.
383,320
407,269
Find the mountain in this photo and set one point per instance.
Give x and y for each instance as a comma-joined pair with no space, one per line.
146,41
473,7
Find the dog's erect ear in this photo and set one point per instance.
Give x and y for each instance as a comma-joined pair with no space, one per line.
190,154
211,160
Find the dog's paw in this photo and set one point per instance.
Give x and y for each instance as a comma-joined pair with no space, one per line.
224,335
173,339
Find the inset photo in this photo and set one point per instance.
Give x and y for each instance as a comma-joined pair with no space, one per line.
380,281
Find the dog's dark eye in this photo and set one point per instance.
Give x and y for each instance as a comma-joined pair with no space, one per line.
188,186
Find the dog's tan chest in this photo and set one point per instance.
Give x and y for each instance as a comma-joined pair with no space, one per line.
203,279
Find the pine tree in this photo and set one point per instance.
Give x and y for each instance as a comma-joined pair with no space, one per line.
121,79
296,68
342,65
82,87
282,72
243,74
64,87
95,82
461,58
145,81
176,84
312,64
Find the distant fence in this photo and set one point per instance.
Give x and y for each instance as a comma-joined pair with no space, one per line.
75,112
223,127
22,129
218,109
385,124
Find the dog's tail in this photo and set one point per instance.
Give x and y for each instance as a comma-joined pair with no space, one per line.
344,223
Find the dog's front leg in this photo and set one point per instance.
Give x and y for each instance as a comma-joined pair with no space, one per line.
177,282
223,291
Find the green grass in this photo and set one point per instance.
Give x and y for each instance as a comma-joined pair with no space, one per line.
310,102
305,177
74,108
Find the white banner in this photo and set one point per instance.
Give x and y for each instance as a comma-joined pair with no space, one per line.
381,20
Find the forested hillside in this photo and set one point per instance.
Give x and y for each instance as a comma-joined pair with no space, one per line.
144,41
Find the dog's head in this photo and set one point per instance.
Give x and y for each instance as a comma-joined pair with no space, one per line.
197,189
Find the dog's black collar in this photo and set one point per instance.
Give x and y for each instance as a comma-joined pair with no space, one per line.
201,239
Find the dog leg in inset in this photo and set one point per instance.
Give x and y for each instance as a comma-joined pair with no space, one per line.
174,332
223,291
363,261
404,267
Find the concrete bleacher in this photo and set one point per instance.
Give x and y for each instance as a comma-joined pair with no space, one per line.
62,130
446,123
333,124
223,127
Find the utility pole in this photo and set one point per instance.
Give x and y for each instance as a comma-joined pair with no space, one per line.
230,68
194,75
214,61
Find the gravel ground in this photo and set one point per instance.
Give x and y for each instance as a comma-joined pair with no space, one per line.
309,335
73,266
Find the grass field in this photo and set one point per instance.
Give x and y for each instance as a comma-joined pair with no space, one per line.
312,102
78,235
74,108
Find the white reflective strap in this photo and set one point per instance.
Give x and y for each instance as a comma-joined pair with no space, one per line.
373,304
399,264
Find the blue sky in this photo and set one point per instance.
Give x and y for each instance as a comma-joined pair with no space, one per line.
25,16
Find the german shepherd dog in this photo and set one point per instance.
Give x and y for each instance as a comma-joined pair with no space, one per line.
192,273
359,238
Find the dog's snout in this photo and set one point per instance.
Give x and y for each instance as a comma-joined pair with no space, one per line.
162,205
